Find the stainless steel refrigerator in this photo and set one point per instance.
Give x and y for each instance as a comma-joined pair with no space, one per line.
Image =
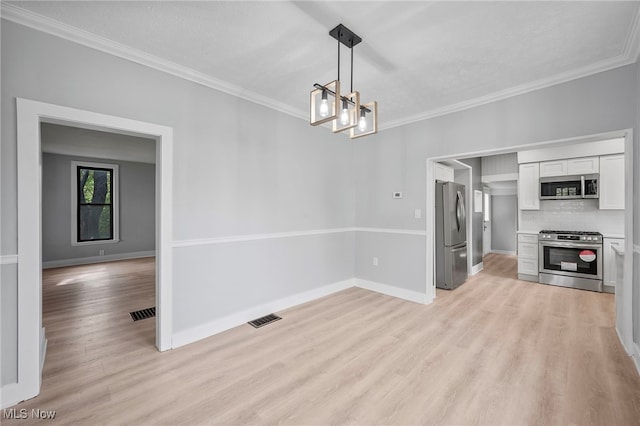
451,235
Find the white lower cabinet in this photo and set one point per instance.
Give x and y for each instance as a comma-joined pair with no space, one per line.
528,257
609,263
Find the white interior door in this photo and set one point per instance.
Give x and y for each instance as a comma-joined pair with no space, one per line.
486,211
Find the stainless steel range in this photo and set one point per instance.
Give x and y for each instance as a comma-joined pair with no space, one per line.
571,259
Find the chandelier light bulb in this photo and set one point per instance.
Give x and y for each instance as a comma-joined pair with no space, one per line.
324,105
344,117
362,124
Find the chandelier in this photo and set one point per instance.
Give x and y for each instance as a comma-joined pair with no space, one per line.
345,112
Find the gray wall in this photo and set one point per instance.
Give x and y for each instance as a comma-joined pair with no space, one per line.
137,209
504,216
238,168
500,164
477,218
590,105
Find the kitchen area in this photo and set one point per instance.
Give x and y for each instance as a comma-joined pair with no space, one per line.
571,202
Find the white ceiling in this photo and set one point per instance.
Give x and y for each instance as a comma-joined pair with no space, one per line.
417,59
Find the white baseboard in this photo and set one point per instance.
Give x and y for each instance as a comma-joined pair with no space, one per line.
9,395
512,253
97,259
477,268
400,293
194,334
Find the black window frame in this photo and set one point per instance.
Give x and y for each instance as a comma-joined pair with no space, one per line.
79,204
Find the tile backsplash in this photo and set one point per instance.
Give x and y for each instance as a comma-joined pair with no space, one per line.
573,215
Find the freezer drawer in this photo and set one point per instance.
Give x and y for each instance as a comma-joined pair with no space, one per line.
452,271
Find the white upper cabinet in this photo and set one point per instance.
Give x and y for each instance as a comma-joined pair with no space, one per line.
583,166
529,186
553,168
573,166
443,172
612,182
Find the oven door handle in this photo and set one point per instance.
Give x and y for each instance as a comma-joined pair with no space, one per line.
570,245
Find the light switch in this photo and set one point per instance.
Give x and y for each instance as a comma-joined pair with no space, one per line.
417,213
375,261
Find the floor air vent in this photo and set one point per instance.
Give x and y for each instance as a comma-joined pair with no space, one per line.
143,314
257,323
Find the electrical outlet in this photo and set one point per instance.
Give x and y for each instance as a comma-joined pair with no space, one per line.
101,252
375,261
417,213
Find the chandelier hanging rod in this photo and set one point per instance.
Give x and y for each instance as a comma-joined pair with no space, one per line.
321,87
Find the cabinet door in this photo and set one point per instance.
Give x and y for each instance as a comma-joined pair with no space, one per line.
527,266
609,260
529,186
553,168
528,251
444,173
582,166
612,182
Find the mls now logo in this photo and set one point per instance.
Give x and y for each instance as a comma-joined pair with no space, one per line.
36,413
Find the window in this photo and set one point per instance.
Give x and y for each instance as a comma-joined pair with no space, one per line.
95,203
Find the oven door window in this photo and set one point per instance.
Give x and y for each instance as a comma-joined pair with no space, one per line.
571,260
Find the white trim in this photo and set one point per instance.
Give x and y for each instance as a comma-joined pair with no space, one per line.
510,253
392,231
97,259
43,349
502,177
29,116
477,268
10,395
203,331
598,67
8,259
430,225
115,201
254,237
389,290
50,26
632,45
627,283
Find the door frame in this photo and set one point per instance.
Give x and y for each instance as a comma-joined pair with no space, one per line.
625,299
486,196
31,339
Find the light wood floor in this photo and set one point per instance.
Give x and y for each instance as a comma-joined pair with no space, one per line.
494,351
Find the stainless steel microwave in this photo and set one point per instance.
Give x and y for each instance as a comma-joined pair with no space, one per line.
569,187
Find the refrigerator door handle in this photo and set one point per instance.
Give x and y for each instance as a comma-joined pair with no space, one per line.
459,210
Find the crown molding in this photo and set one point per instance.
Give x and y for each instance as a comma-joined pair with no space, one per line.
632,46
13,13
16,14
596,68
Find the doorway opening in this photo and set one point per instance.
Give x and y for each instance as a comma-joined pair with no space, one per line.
100,265
623,297
30,116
